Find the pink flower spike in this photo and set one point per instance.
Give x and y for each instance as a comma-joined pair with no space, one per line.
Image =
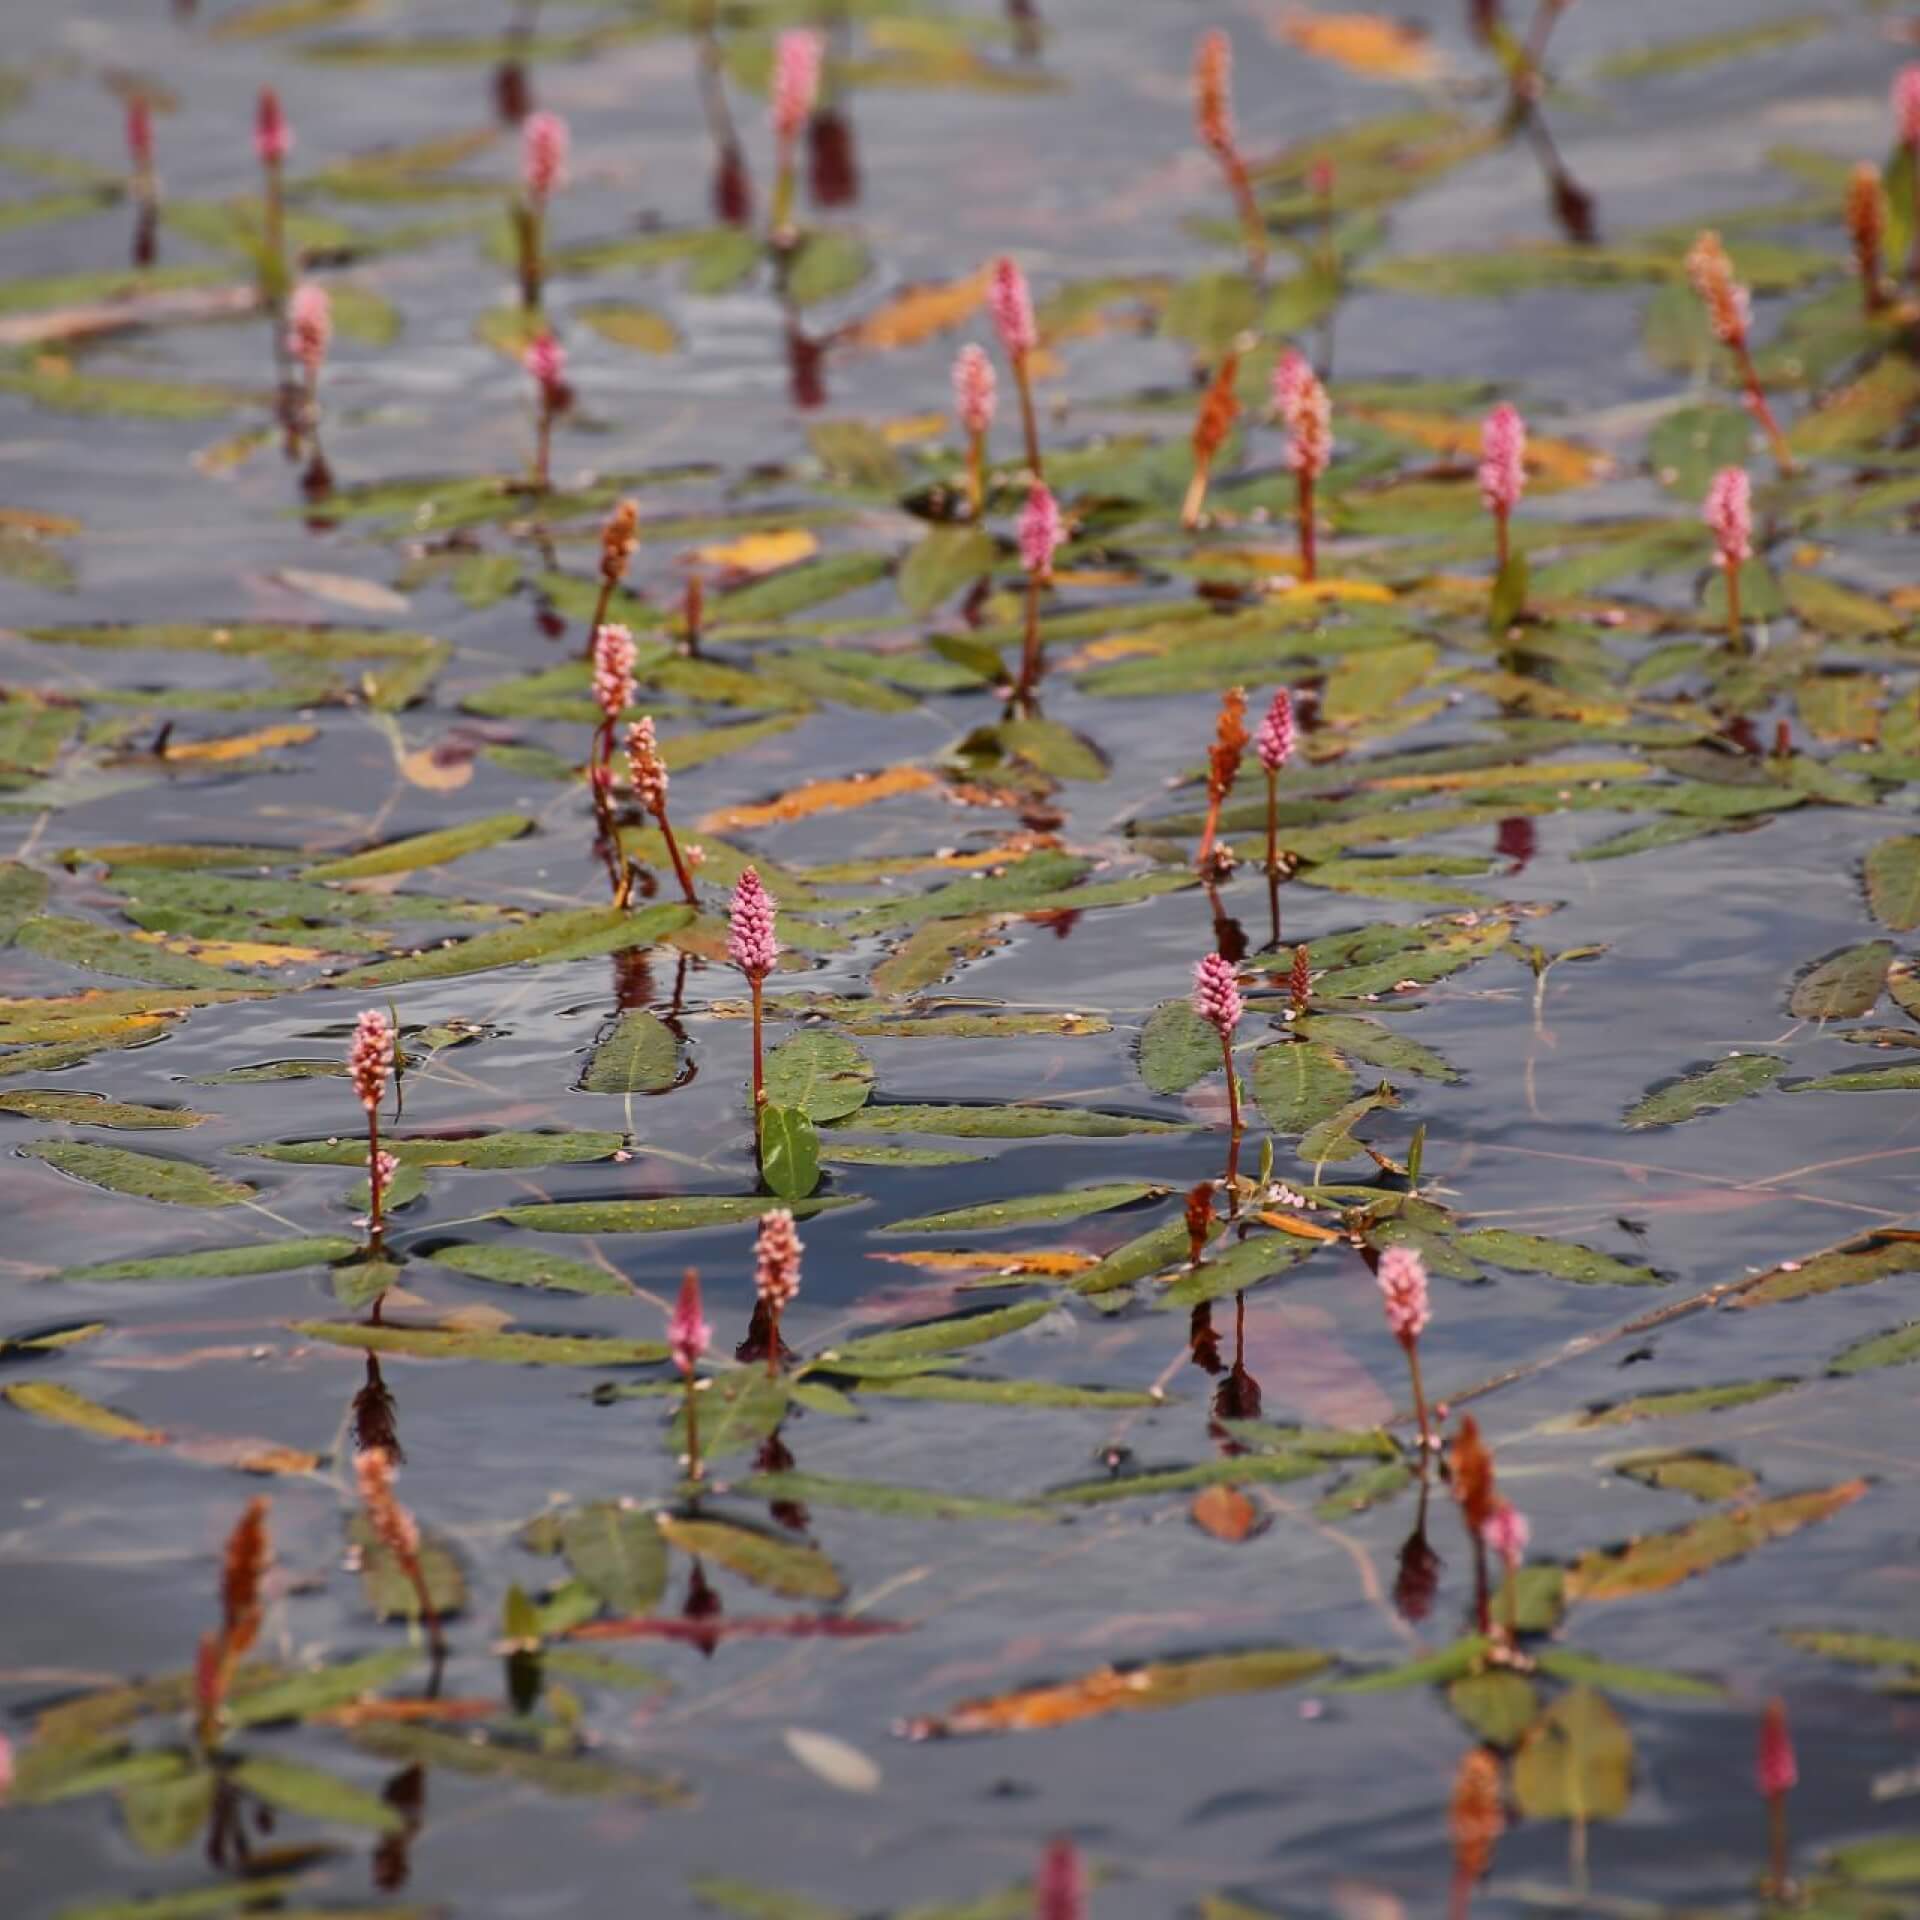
544,142
396,1527
645,767
1729,512
1274,742
796,80
546,359
1042,533
370,1058
688,1334
140,133
1776,1770
776,1260
752,944
612,670
1906,105
1503,459
974,389
1012,307
1216,993
309,326
272,136
1403,1288
386,1165
1507,1533
1060,1887
6,1768
1303,406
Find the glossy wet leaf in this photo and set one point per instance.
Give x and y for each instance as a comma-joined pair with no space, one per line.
1845,985
1704,1476
673,1213
50,1400
1497,1705
1298,1084
387,1589
499,1349
616,1551
1074,1203
1665,1559
1141,1689
314,1794
1177,1048
932,1337
872,1496
1832,1272
1575,1762
515,1266
1679,1402
823,1075
637,1054
1706,1090
1560,1259
178,1183
784,1566
1898,1349
570,1775
220,1263
1893,882
1036,1122
789,1152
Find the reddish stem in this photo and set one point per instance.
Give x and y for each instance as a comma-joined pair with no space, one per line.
1757,402
755,986
1309,554
1502,537
1029,425
1233,1121
680,869
376,1185
1412,1347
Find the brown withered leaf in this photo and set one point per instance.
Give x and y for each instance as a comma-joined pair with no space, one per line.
1368,43
823,796
1226,1513
919,313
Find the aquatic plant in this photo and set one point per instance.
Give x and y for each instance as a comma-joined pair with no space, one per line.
1213,117
1219,408
1730,314
776,1275
1476,1818
1906,122
754,947
1230,739
1776,1774
1300,980
370,1066
1273,744
619,542
1471,1477
688,1338
243,1579
1728,512
309,331
1216,999
272,142
546,362
796,86
1507,1533
1503,473
396,1530
544,145
1402,1278
1306,412
1012,308
1867,230
1042,533
973,403
1060,1887
648,774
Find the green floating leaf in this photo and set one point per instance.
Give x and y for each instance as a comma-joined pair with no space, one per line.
1665,1559
529,1267
387,1587
951,1335
1264,1468
1832,1273
870,1496
1705,1090
1893,882
1576,1762
1245,1264
501,1349
1887,1860
95,1110
557,1773
178,1183
1298,1084
739,1411
677,1213
1897,1349
49,1400
1705,1476
1497,1706
1074,1203
1177,1048
944,560
1150,1252
1682,1401
574,933
823,1075
789,1152
943,1388
1844,986
1901,1079
1530,1253
1368,1040
639,1053
615,1551
1568,1663
750,1902
1857,1649
781,1565
221,1263
645,329
490,1152
78,943
1005,1123
300,1696
315,1795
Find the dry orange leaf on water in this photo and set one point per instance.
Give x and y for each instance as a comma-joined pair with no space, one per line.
440,769
1553,465
823,796
1224,1512
919,313
1368,43
238,746
1295,1224
959,1260
761,552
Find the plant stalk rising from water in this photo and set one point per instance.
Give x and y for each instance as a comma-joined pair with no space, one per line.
753,946
1730,314
1042,534
370,1066
1302,404
1012,307
1402,1278
1216,999
1213,117
796,86
544,144
1274,745
648,773
1728,513
974,393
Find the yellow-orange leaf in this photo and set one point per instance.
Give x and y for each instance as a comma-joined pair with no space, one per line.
823,796
959,1260
437,769
1368,592
364,1713
240,746
1368,43
1292,1223
913,428
235,953
1552,465
761,552
1224,1512
919,313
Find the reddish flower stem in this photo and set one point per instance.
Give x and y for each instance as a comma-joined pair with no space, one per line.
1309,554
1029,423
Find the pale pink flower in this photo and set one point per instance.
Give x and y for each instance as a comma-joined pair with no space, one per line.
1307,413
370,1058
272,136
796,80
1507,1533
1060,1887
1503,459
1274,741
1729,513
393,1525
1403,1290
612,670
6,1768
309,326
752,945
1012,307
543,155
1042,533
688,1334
974,388
546,359
1216,993
140,133
1906,105
776,1259
645,768
1776,1770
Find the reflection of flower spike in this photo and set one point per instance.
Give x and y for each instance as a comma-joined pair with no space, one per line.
309,326
1475,1821
688,1334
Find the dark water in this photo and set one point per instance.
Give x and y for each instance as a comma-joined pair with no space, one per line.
1309,1799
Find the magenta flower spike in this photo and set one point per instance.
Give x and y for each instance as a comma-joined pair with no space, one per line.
1216,999
1012,308
310,328
1906,119
1274,740
1507,1533
272,136
1728,513
1402,1278
776,1274
1306,412
370,1061
974,393
1730,314
545,359
1042,533
544,147
1776,1773
612,671
647,771
754,946
797,60
1060,1887
140,142
1503,469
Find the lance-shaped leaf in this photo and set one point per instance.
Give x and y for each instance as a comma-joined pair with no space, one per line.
1705,1090
778,1563
639,1053
1845,985
823,1075
789,1152
177,1183
1576,1762
1024,1210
